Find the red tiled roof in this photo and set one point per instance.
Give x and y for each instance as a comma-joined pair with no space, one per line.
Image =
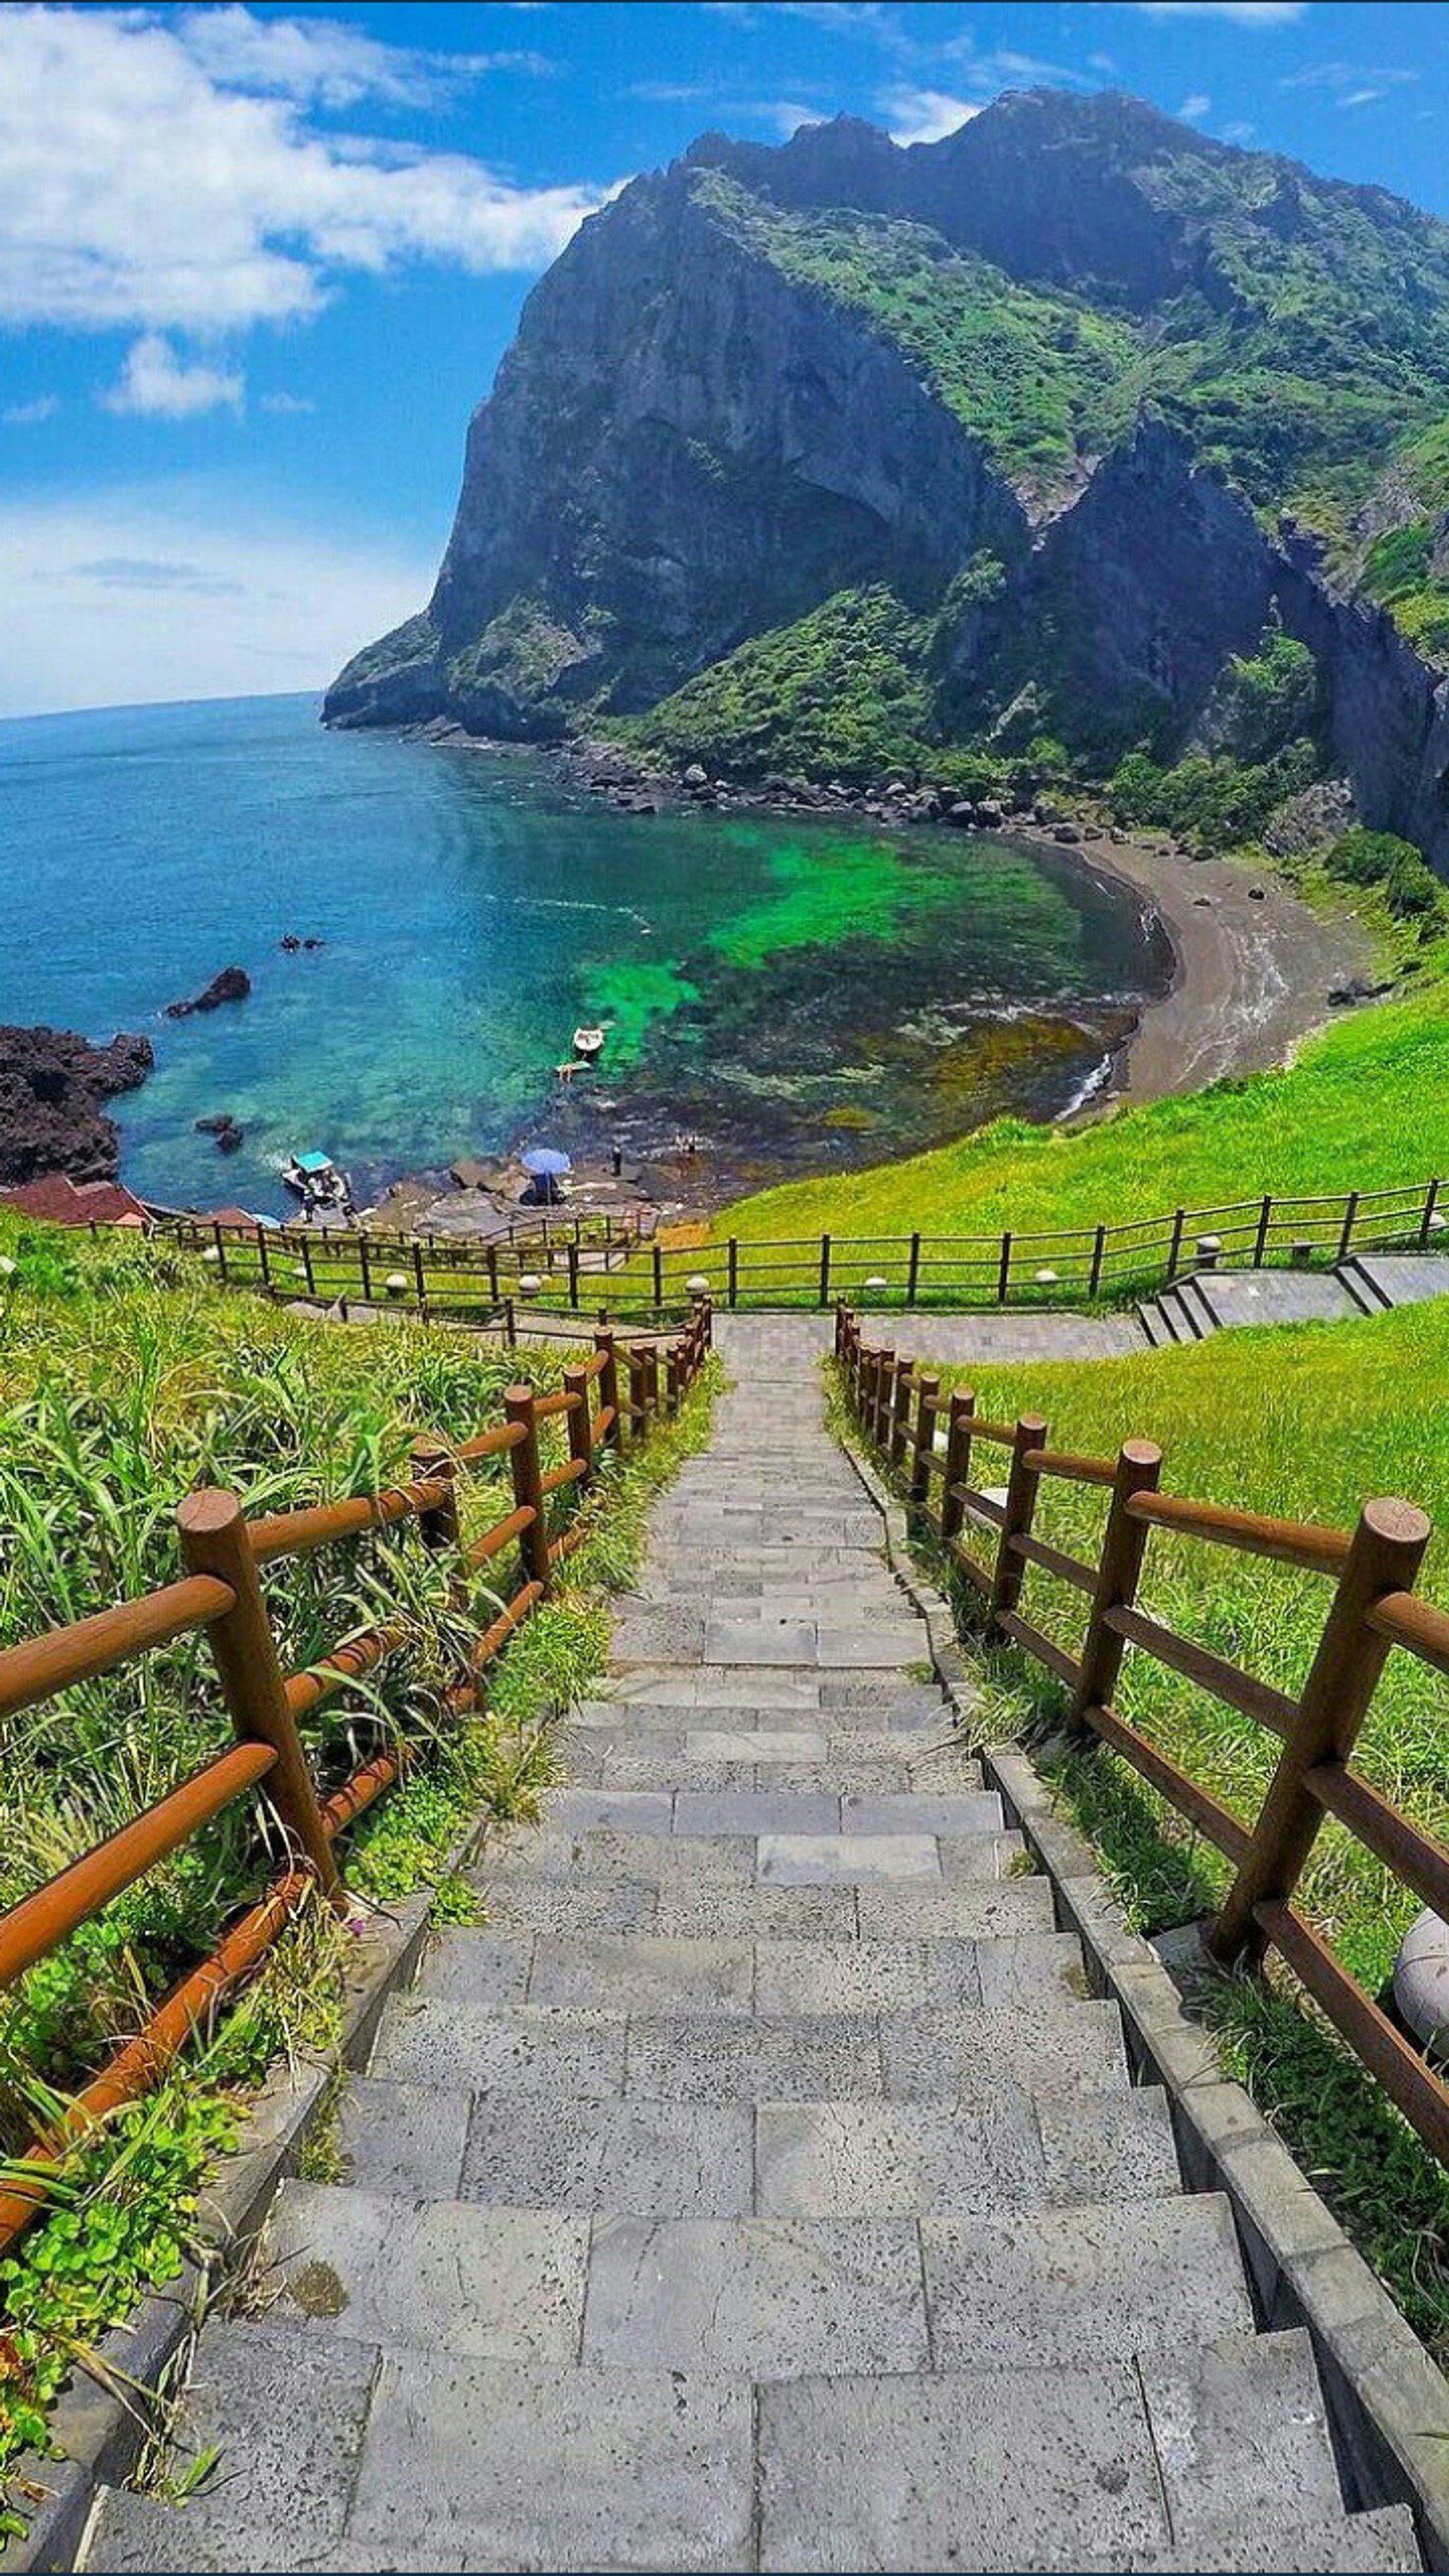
57,1200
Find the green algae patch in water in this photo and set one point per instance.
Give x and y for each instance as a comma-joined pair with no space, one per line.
631,999
830,890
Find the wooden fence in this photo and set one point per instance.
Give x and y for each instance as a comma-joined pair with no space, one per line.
931,1444
577,1270
614,1397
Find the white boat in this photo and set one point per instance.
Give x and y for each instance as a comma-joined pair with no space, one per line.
588,1043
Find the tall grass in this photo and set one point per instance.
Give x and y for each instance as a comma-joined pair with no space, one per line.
126,1379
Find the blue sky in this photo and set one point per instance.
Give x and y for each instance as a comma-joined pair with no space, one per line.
257,265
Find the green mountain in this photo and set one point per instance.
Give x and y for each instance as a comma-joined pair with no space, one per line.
838,457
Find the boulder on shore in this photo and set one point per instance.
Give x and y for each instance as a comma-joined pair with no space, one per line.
232,985
52,1086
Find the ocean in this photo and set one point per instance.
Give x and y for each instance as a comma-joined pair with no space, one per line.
795,993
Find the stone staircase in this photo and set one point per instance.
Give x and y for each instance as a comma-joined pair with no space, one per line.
762,2187
1203,1302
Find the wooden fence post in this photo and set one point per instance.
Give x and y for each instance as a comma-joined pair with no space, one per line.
885,1362
577,1381
958,1461
913,1270
928,1393
215,1540
658,1275
1021,1493
220,1251
733,1287
825,1276
307,1266
1003,1274
1260,1243
263,1263
900,1414
1387,1547
1119,1565
609,1383
420,1278
520,1406
643,1386
574,1274
1345,1240
1431,1201
439,1529
1099,1246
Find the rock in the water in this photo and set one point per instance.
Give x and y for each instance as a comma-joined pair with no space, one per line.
232,985
52,1086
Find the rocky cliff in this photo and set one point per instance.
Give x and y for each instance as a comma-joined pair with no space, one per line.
53,1090
1088,394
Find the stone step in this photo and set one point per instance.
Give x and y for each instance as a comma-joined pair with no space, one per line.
628,1972
755,1635
1165,2471
680,1907
634,1764
1013,2149
969,2054
887,1711
1399,1278
1232,1297
580,2468
676,1860
712,1812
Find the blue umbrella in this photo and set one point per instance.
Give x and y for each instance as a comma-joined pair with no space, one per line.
545,1162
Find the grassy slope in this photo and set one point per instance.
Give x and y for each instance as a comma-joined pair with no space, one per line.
1365,1105
1305,1422
127,1377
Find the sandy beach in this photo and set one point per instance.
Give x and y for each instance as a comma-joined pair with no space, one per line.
1252,976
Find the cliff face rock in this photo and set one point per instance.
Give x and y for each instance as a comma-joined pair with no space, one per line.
1069,384
52,1088
1145,586
681,450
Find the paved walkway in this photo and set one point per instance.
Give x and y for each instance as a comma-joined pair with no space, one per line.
762,2187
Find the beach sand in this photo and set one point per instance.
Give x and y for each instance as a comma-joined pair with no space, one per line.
1252,977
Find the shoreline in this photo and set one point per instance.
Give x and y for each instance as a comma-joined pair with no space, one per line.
1251,974
1252,971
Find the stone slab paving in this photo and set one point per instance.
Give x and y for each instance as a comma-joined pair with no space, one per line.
761,2186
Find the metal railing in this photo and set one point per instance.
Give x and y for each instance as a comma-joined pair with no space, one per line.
930,1443
615,1397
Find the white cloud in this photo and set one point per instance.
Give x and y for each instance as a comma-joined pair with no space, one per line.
156,384
1197,105
1242,13
137,189
29,415
138,596
924,115
1352,84
286,403
325,62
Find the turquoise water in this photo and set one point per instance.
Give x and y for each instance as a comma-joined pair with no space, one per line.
796,993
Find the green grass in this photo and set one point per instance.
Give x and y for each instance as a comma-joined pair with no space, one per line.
128,1377
1365,1105
1304,1422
